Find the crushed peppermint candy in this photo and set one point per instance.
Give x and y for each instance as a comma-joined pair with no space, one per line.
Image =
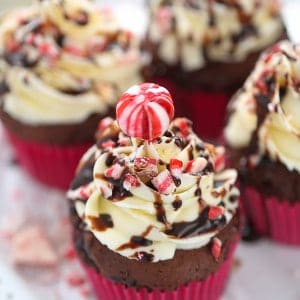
31,247
215,212
105,123
176,167
130,181
164,183
196,166
216,248
115,171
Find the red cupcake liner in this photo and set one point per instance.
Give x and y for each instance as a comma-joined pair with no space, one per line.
52,165
208,289
206,109
278,219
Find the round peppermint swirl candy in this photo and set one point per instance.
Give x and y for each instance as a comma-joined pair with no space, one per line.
144,111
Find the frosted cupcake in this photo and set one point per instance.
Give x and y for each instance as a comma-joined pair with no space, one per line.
263,132
207,49
154,212
63,66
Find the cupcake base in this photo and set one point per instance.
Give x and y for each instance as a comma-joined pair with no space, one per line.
209,289
52,165
278,219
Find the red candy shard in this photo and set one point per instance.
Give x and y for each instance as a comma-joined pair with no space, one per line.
108,144
184,125
115,171
31,247
105,123
145,111
164,183
70,253
144,162
130,181
146,166
85,192
196,166
216,248
215,212
75,280
176,166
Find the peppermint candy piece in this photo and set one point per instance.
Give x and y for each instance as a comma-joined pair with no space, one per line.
164,183
216,248
145,111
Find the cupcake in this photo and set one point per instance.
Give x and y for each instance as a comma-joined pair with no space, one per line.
206,49
63,66
154,212
262,133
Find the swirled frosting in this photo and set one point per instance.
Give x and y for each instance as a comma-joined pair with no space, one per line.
267,108
192,32
147,199
62,61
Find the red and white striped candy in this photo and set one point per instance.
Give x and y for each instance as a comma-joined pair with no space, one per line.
196,166
130,182
164,183
115,171
216,248
145,111
176,167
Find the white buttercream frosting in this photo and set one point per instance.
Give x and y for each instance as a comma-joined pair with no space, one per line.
64,60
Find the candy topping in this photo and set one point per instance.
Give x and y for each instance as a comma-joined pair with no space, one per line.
216,248
145,111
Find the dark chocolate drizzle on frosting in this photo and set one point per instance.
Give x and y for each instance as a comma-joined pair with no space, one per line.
200,225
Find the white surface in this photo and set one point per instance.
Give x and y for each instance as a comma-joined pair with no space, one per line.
266,270
12,286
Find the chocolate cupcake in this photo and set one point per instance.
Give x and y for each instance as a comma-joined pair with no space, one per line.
63,66
262,132
206,49
154,213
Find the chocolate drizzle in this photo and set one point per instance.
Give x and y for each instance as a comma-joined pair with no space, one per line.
200,225
160,210
4,88
102,222
135,242
177,203
118,191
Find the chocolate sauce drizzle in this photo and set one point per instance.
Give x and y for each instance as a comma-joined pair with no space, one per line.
102,222
200,225
160,210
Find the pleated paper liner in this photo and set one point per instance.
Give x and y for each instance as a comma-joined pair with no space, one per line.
278,219
209,289
52,165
